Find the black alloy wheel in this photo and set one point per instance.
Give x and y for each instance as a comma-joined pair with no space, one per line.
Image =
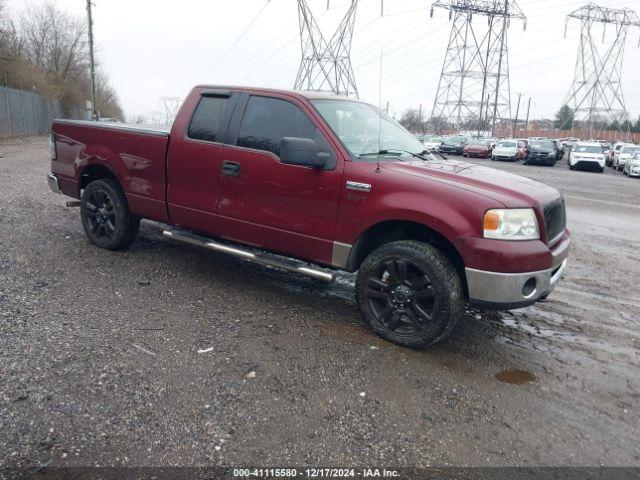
409,293
401,298
105,215
101,215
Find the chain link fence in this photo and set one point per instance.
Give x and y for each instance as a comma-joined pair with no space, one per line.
27,113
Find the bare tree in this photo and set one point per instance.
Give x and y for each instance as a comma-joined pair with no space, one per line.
46,50
410,119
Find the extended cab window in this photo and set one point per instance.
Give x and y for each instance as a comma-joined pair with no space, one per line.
206,119
268,120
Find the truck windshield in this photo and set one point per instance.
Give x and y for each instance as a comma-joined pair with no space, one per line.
364,131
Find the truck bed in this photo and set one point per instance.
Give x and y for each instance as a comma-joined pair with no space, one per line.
134,154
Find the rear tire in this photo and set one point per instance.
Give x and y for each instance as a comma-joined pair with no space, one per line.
409,293
105,215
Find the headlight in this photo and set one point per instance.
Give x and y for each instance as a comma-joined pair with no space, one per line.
551,154
511,224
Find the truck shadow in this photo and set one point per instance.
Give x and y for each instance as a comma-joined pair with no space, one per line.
331,309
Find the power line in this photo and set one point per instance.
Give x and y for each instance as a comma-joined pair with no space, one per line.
237,40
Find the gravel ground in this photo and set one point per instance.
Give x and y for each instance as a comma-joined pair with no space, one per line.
169,355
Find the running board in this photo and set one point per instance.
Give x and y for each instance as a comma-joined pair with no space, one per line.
246,255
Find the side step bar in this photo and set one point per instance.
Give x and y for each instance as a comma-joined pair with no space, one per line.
246,255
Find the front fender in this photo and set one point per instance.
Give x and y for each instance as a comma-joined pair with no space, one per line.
451,211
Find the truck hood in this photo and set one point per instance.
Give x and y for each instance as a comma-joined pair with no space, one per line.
510,190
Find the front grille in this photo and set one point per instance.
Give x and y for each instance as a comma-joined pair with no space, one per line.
555,219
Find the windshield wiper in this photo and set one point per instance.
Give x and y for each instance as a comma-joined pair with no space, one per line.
392,151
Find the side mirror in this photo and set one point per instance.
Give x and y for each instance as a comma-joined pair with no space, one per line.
302,151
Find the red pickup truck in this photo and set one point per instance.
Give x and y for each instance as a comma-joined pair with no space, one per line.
331,181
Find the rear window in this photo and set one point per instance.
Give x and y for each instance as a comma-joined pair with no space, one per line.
205,122
587,148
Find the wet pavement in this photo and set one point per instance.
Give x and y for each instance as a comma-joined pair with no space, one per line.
170,355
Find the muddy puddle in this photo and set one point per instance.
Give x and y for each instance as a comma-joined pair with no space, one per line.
515,376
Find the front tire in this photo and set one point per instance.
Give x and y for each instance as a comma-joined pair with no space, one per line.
105,215
409,293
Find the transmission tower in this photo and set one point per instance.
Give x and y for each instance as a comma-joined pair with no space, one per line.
596,91
474,83
326,65
171,106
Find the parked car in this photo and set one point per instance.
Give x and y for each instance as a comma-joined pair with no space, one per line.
477,148
510,150
541,152
567,143
625,154
559,149
251,172
587,156
632,166
432,143
615,150
454,145
492,142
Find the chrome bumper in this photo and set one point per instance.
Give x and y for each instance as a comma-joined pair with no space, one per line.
511,290
53,183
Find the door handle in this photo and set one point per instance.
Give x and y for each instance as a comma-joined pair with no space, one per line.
230,169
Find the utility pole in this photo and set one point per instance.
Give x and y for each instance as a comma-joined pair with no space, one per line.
515,123
526,125
420,119
495,103
94,107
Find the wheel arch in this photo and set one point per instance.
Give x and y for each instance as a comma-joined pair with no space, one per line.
395,230
95,171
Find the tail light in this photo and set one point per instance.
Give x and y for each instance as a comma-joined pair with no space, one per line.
52,146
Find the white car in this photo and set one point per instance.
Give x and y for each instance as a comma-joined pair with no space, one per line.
506,150
587,155
615,151
632,166
626,153
432,143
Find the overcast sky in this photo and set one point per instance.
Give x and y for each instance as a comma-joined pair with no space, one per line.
156,48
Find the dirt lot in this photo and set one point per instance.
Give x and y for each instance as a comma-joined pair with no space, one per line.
100,362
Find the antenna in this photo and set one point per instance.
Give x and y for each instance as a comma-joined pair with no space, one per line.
379,116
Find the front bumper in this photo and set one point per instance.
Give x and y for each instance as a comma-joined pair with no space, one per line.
543,159
502,156
53,183
505,291
588,164
476,153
